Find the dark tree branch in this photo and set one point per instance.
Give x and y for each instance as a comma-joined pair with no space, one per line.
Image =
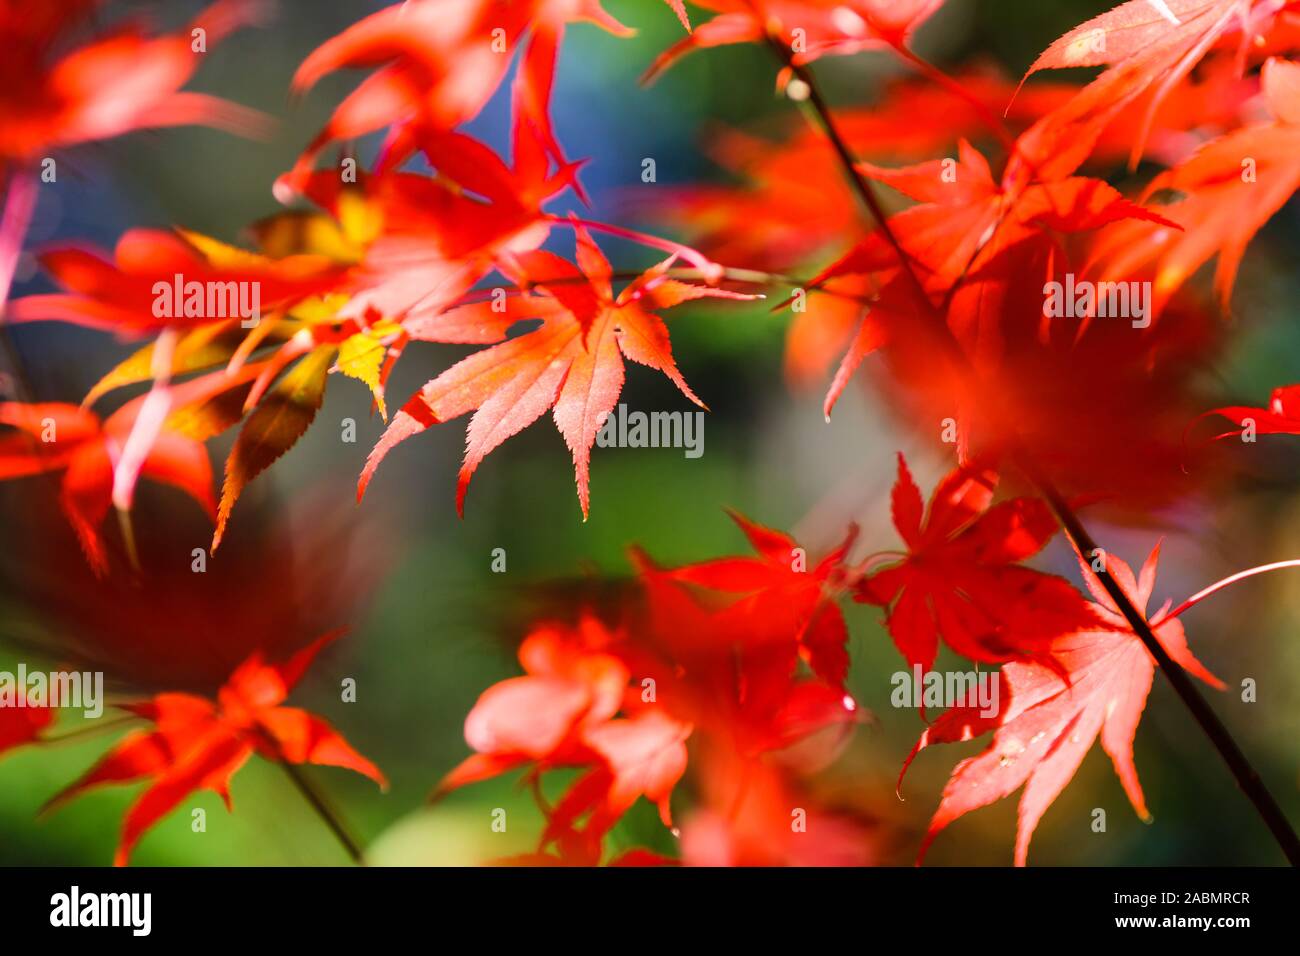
316,799
1248,779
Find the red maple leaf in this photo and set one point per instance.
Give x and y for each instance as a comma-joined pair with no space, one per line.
571,684
1048,718
840,28
572,363
730,667
794,601
746,813
563,713
54,96
964,218
969,240
434,237
961,579
1281,417
1148,54
21,722
439,62
1228,189
200,744
123,295
621,704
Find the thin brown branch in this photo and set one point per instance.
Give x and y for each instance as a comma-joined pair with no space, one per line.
317,801
861,185
89,729
1247,777
752,277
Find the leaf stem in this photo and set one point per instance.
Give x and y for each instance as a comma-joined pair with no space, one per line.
1220,585
19,204
89,729
313,795
15,219
751,277
711,270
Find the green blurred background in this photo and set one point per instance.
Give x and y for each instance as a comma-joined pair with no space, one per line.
432,626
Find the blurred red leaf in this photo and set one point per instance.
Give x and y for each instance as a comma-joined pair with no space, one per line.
1042,732
200,744
962,580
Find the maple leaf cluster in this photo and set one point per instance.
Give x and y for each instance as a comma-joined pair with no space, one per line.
737,663
198,743
749,655
385,257
980,196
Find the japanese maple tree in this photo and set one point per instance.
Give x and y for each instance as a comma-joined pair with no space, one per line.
913,245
